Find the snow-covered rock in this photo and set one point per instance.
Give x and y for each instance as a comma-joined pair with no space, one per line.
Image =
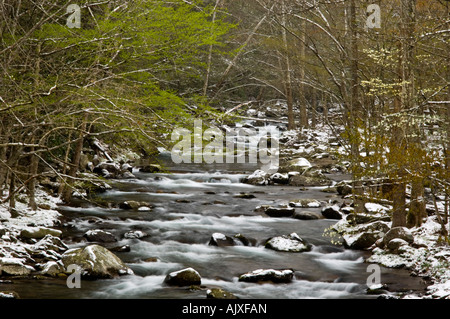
288,243
95,262
258,177
15,266
99,235
262,275
184,277
135,234
305,203
398,232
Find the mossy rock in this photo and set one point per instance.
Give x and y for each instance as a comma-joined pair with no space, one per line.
219,293
95,262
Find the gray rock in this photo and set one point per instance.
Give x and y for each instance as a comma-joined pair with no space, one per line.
151,168
132,204
95,262
246,241
361,241
306,181
395,244
121,249
331,212
14,267
135,234
398,232
244,196
279,211
272,275
344,188
258,177
101,236
184,277
304,215
219,293
279,178
39,232
289,243
221,240
50,243
52,269
305,203
107,169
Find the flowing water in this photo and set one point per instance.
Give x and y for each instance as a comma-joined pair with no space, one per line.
188,206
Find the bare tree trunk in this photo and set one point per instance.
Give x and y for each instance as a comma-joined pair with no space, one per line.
287,72
314,109
302,93
354,112
34,164
208,67
67,193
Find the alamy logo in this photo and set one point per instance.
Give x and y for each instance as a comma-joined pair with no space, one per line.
74,19
74,280
238,145
374,19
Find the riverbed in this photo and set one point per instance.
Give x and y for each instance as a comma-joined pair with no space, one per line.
187,206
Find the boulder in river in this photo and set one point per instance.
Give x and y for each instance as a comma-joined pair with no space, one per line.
258,177
219,293
221,240
132,204
244,196
331,212
95,262
305,215
344,188
279,211
272,275
101,236
279,178
305,203
299,164
151,168
184,277
135,234
288,243
308,181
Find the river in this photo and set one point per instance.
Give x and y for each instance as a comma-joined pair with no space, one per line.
188,206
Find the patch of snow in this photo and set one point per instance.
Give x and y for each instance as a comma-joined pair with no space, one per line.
375,208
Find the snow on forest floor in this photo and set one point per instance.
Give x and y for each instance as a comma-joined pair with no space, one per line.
11,245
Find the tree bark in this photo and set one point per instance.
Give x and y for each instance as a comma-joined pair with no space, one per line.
302,93
67,193
354,112
287,72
